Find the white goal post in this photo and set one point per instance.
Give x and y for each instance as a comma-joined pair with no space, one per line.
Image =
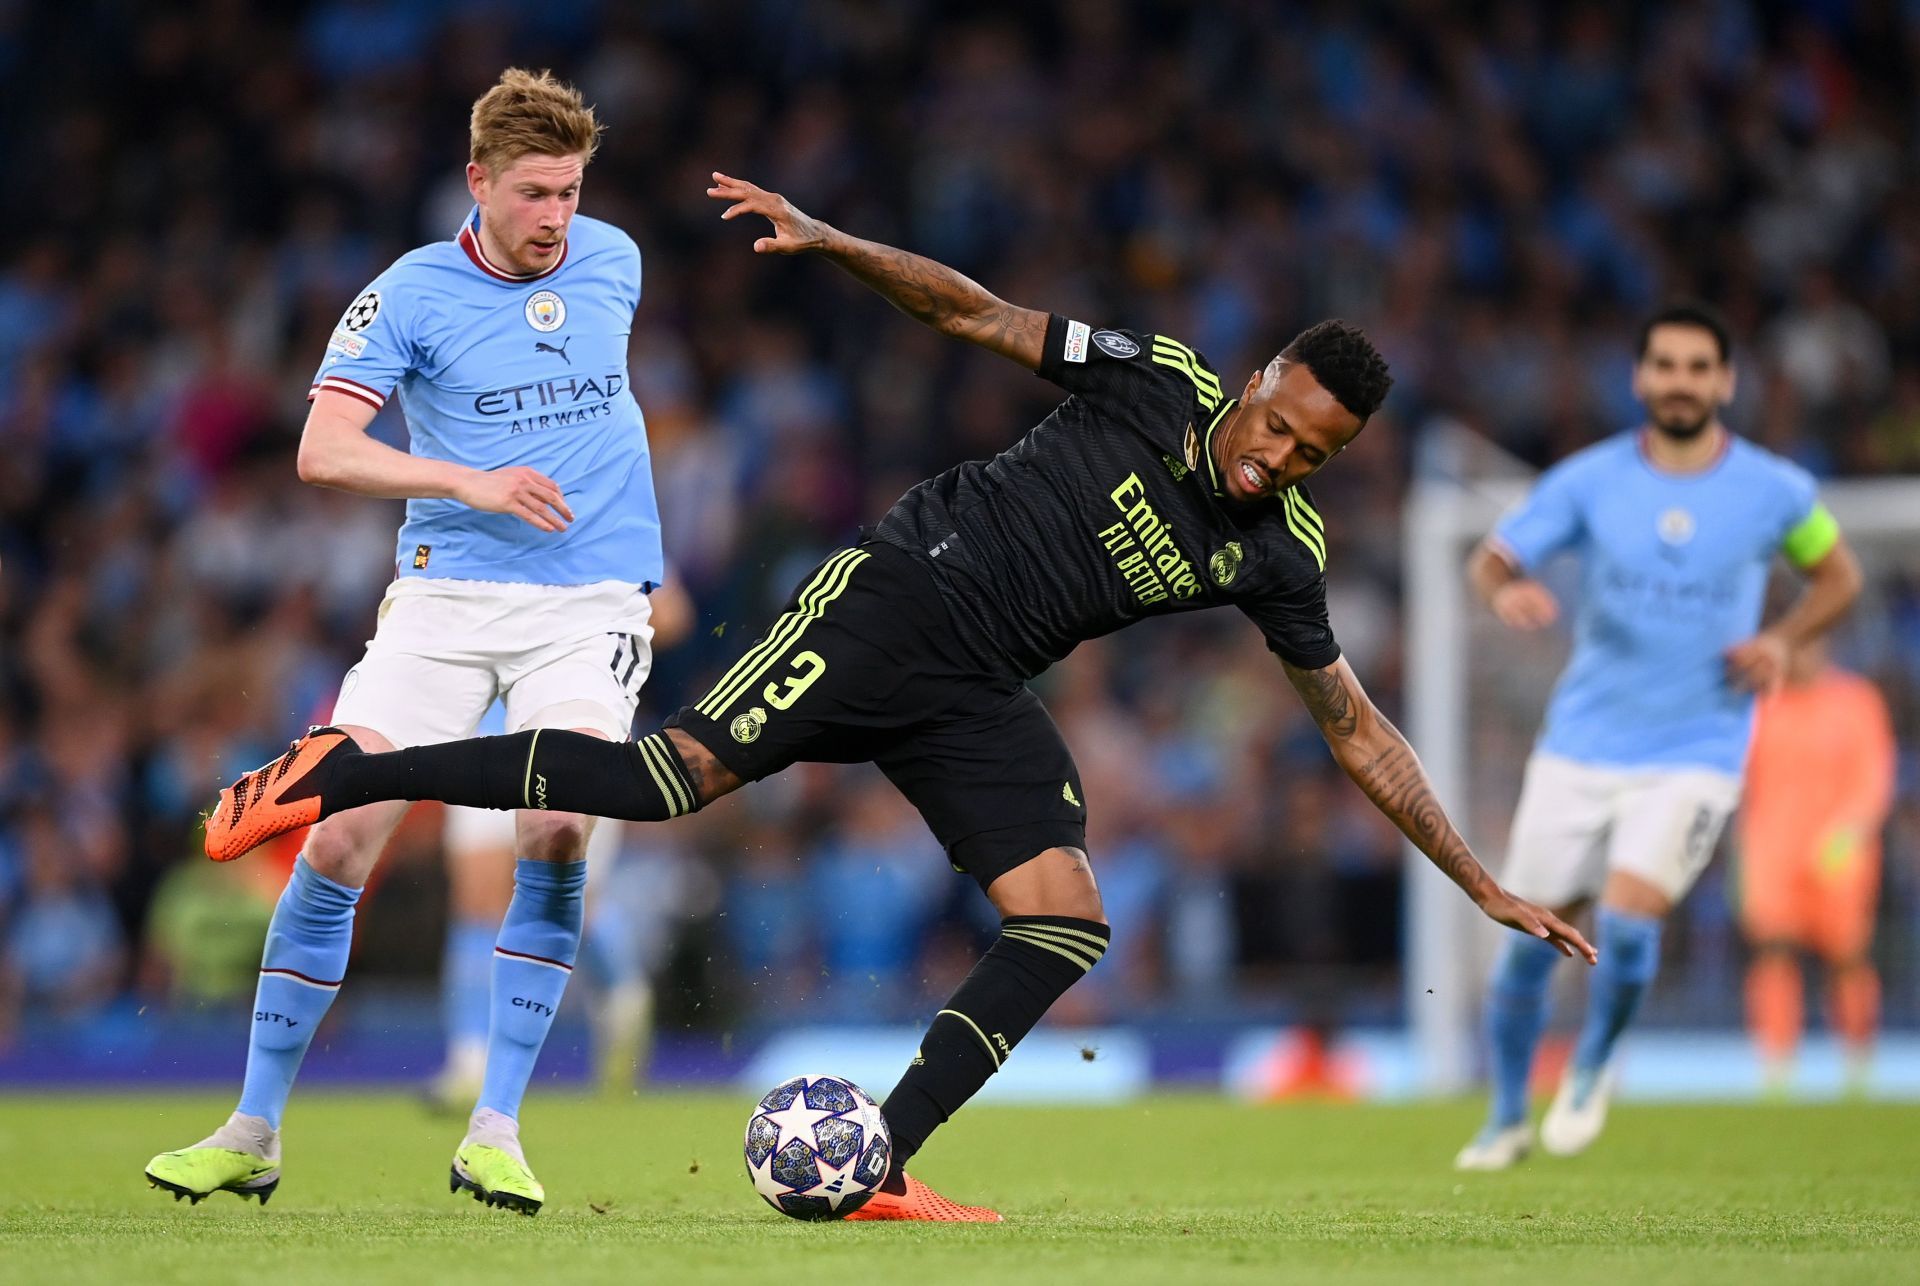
1462,484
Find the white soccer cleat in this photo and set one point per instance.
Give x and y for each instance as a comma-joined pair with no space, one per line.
1579,1111
455,1086
1493,1149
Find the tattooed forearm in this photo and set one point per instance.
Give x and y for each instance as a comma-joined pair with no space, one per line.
1328,699
950,302
1398,786
1383,765
922,289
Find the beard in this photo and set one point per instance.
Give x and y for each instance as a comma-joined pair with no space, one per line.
1683,425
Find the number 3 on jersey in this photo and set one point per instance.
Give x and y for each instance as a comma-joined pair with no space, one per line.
808,667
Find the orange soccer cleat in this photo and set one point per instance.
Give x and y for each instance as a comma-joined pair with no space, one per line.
255,808
922,1203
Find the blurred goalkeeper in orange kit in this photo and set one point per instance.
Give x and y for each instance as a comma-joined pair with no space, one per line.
1819,788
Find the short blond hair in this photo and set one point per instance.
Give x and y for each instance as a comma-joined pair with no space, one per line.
530,112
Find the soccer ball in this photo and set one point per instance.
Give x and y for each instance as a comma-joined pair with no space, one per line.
817,1147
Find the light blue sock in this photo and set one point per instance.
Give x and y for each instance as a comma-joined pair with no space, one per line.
1629,957
300,972
466,980
1516,1015
610,950
531,960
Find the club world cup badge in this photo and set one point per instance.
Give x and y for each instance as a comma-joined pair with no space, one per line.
1225,564
1192,447
1676,526
546,312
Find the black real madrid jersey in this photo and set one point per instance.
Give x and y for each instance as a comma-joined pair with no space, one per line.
1108,511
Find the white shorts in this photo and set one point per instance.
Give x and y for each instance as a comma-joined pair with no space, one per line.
564,656
1576,822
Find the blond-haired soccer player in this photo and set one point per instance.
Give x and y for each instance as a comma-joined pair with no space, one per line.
1819,788
530,545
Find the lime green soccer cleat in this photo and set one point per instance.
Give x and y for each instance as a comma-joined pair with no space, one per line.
242,1157
490,1165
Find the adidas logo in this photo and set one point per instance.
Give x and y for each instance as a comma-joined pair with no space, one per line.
1066,793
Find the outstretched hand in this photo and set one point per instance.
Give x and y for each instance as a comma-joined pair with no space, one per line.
1525,604
1538,922
793,231
1759,664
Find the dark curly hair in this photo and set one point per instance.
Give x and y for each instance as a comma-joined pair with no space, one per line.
1687,312
1345,362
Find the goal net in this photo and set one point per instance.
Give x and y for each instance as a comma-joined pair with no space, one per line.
1475,695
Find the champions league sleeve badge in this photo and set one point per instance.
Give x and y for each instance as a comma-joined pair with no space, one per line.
360,313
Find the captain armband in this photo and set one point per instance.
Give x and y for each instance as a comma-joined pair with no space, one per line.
1812,539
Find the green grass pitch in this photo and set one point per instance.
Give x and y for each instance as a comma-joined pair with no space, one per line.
1171,1189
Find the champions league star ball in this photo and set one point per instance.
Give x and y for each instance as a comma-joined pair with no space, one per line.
817,1147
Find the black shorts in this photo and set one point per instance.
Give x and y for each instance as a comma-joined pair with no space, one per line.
862,667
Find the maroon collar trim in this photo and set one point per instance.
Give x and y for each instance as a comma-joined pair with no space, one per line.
470,242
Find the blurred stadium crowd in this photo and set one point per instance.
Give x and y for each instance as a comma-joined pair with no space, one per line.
1494,190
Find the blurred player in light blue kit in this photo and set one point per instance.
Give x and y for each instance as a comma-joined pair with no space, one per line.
1639,762
531,543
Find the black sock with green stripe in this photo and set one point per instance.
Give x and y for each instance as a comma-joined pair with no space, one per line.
550,768
1031,965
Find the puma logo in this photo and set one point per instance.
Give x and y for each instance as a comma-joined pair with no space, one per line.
542,346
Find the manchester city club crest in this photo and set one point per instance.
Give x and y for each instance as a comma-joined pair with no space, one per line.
546,312
1225,564
1676,526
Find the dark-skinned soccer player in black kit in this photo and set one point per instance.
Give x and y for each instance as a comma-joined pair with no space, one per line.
1147,491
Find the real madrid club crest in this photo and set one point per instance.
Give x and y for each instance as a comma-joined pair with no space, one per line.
546,312
1676,526
747,727
1225,564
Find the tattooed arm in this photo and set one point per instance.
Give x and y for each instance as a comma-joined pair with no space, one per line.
922,289
1383,765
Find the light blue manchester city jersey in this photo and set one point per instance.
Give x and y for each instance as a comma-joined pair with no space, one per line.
495,370
1674,570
